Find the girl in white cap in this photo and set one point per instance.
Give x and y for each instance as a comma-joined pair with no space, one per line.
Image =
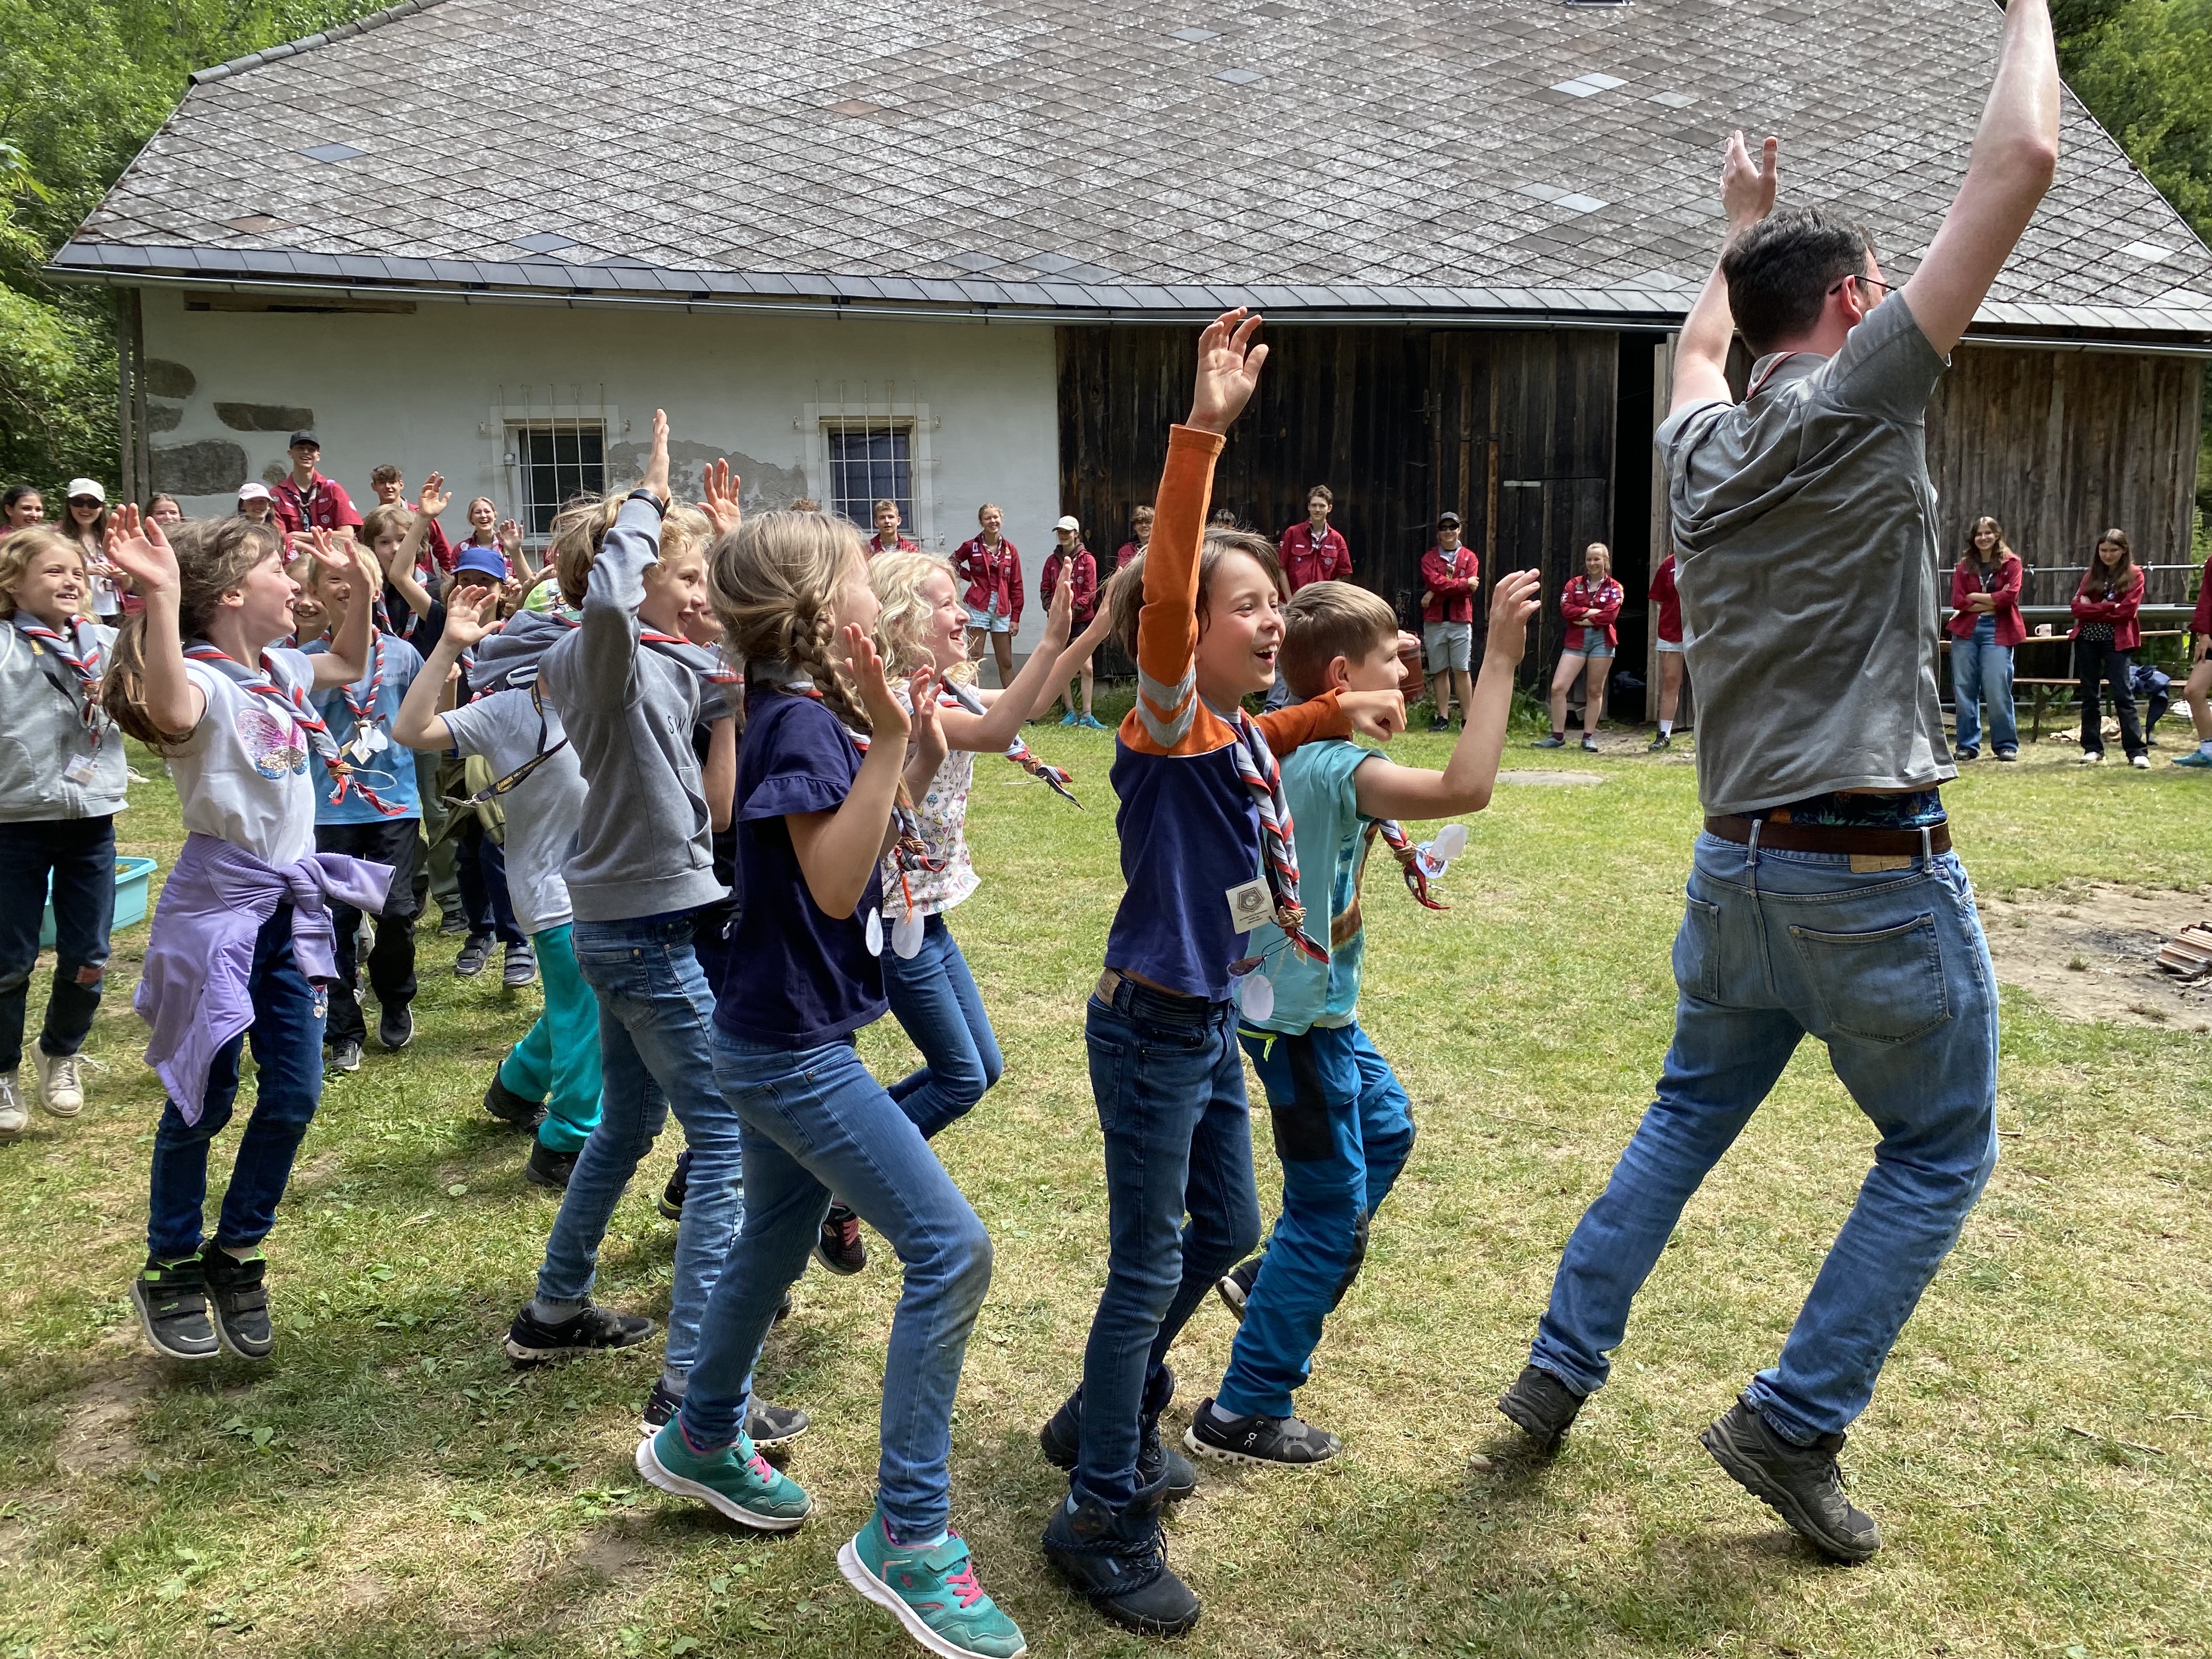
86,525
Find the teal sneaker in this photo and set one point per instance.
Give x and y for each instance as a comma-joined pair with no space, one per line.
2194,757
1091,723
932,1592
1069,718
736,1481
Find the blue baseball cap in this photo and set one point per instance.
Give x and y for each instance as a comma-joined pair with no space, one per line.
483,561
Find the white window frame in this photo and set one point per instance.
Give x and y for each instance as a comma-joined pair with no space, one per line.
503,421
814,423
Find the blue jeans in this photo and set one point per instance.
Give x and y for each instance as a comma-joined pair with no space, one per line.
1169,1085
1889,969
1343,1131
1980,667
480,866
655,1016
79,855
287,1034
816,1122
937,1005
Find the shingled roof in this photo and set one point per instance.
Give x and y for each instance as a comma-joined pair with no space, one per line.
1335,158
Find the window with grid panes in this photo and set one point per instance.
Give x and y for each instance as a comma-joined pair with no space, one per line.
870,461
559,462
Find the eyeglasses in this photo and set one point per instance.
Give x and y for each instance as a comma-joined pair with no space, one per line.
1871,282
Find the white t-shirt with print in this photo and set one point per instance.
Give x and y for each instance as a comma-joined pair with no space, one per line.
247,774
543,811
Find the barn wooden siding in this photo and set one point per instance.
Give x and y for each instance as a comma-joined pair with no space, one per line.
2061,446
1511,427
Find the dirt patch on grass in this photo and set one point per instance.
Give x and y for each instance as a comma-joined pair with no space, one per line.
616,1551
1551,779
2091,953
99,1433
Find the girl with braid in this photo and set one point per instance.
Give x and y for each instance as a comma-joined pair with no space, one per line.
817,805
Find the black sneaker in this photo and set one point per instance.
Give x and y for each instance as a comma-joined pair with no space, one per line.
1281,1442
519,967
395,1027
171,1297
530,1339
548,1167
240,1299
1966,754
1541,1406
1158,1462
345,1055
1555,741
672,1195
1665,740
1439,726
840,1248
768,1426
1119,1559
1235,1287
456,925
1801,1484
473,956
512,1109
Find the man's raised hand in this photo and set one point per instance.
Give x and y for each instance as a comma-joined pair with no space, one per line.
1228,370
1748,187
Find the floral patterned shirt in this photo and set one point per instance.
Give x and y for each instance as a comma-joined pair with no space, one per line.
942,812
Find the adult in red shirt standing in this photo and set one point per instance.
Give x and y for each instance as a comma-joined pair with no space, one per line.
2104,631
1450,573
992,566
1985,624
887,538
1311,552
1667,607
1080,566
1140,537
2199,689
306,500
1589,602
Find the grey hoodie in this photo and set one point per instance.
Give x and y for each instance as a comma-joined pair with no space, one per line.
644,847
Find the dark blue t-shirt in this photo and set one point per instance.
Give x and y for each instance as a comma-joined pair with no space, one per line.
795,975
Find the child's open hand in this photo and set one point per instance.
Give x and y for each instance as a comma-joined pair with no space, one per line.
1060,613
656,465
1228,370
469,615
434,498
926,742
885,717
720,486
1519,595
136,546
1377,714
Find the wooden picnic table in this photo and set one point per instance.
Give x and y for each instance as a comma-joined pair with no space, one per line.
2047,693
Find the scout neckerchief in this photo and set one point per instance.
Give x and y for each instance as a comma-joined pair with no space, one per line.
296,708
80,655
1411,864
368,736
957,696
1278,857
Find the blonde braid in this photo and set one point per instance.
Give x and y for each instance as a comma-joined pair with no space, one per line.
810,650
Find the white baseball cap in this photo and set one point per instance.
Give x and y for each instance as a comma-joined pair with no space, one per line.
1069,522
255,490
87,487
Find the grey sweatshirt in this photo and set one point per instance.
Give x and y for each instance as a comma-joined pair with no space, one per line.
644,847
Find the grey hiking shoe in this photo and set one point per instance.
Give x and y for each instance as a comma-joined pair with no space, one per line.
1541,1406
1801,1484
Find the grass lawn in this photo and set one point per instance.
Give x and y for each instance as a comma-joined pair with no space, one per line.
388,1484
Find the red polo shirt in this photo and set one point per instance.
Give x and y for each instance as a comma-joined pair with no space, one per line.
1306,561
322,506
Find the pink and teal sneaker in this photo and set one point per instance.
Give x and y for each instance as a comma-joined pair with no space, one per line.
932,1592
736,1480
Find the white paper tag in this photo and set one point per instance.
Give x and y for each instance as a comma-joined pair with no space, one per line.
1256,996
80,770
874,934
906,937
1249,905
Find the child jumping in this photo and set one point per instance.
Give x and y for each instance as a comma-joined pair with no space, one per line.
1343,1128
62,781
1207,858
242,942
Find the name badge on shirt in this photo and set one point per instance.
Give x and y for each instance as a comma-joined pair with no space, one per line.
80,770
1249,905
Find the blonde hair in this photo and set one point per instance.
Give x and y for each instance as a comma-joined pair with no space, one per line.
773,580
1323,621
579,529
211,562
20,547
1604,552
898,580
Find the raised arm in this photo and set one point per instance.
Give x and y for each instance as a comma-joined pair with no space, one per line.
1701,350
2015,155
717,779
1038,683
137,547
616,586
837,850
353,640
418,724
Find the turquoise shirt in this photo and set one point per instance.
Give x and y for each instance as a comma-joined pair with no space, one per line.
1331,843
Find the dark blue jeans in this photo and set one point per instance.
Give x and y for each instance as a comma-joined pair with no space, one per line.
480,863
397,842
941,1012
79,853
1169,1084
287,1034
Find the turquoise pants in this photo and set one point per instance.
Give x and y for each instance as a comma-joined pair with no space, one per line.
557,1060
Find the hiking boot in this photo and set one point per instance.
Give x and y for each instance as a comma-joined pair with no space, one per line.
548,1167
1801,1484
679,1180
1660,744
840,1248
1120,1561
345,1055
1235,1287
473,956
767,1426
932,1592
515,1111
61,1086
530,1338
171,1297
1556,740
733,1480
1061,1442
1281,1441
395,1027
518,967
240,1299
1541,1406
13,1118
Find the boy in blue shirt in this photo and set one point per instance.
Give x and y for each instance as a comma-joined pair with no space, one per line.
1342,1126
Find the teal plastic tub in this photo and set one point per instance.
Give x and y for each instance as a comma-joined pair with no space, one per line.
132,878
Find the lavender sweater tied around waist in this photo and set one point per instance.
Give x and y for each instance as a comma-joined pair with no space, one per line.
195,990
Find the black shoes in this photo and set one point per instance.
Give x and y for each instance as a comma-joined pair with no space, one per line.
1801,1484
1439,726
1120,1561
1541,1406
840,1248
395,1027
241,1300
680,1182
1158,1463
512,1109
548,1167
1277,1441
474,954
768,1426
518,967
1235,1287
172,1300
530,1339
1660,744
345,1055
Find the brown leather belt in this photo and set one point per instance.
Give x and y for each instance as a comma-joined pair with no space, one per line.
1831,838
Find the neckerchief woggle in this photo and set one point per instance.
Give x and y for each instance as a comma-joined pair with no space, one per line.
298,710
80,655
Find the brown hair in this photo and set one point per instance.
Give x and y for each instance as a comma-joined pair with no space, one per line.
1125,593
385,474
380,521
1781,271
1328,496
2105,580
579,529
1324,620
773,580
803,504
211,562
1997,554
33,541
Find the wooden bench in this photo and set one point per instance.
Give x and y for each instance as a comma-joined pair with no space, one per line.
2049,693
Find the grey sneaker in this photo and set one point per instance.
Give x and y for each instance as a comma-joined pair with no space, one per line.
1801,1484
61,1081
519,967
345,1055
1541,1406
13,1118
1268,1441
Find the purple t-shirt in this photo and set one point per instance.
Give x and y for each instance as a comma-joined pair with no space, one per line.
796,975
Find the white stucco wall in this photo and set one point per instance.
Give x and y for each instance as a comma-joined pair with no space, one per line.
433,391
